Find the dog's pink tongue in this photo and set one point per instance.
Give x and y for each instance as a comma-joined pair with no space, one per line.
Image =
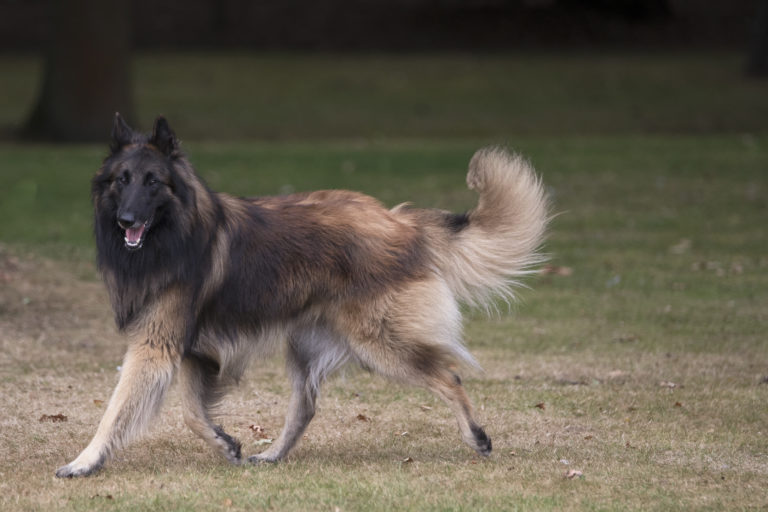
134,234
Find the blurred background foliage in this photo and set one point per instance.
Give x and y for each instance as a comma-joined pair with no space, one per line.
343,68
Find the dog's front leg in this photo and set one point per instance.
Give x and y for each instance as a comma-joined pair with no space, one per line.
146,375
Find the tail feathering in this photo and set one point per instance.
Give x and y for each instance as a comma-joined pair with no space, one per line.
505,230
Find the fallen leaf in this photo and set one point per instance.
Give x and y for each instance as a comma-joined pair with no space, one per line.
678,404
588,438
407,460
403,434
667,384
425,408
540,405
258,431
363,417
574,473
97,401
227,502
263,441
55,418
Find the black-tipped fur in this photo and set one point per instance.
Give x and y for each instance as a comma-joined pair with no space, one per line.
482,441
200,282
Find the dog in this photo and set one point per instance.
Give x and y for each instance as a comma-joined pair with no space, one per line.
201,281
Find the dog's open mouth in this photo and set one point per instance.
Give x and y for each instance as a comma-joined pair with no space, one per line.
134,235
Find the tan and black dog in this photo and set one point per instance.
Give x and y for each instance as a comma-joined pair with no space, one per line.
201,281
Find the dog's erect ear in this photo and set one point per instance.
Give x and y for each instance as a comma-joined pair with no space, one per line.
121,133
163,137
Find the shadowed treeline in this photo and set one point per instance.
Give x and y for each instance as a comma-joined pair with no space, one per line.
405,25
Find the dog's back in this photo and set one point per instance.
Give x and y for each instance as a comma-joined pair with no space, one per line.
347,279
200,281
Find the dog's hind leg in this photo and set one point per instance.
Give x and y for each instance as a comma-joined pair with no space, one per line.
447,385
313,353
418,343
430,366
201,389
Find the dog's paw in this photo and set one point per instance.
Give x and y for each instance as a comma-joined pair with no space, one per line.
233,456
482,441
262,459
72,470
228,446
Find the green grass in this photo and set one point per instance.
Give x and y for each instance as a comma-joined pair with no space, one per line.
639,309
294,96
665,235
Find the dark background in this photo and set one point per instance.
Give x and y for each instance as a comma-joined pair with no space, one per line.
89,45
406,25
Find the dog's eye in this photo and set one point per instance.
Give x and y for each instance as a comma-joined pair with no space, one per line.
152,181
125,178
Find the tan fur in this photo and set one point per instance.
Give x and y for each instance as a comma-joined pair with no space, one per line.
355,281
507,228
147,372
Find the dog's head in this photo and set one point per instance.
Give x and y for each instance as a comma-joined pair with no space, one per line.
138,184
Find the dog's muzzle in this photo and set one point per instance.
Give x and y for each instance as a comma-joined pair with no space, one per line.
134,233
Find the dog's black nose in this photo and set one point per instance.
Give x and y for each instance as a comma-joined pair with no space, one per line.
126,219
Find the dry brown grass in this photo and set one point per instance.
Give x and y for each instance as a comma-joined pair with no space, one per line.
613,415
667,245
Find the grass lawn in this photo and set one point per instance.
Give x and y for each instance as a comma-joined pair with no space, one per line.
640,361
296,96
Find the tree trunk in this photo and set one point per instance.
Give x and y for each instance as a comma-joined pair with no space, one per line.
758,57
87,76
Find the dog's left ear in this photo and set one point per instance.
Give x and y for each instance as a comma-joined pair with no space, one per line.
121,134
163,137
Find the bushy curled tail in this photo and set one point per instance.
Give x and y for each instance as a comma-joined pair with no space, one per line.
499,242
